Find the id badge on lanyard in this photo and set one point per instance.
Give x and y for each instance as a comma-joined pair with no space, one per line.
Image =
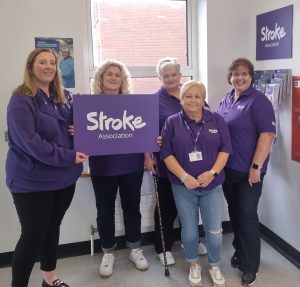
195,156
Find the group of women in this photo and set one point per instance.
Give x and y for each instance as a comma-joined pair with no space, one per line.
201,151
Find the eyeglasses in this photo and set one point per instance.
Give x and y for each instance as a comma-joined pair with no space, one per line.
243,75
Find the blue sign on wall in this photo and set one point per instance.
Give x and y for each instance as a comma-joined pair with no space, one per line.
274,34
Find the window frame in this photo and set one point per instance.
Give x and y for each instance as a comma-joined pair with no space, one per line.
150,71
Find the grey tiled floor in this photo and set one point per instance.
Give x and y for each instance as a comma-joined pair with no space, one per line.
83,271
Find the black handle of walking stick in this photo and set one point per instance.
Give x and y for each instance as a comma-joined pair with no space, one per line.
167,272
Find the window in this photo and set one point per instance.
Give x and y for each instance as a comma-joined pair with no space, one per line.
139,33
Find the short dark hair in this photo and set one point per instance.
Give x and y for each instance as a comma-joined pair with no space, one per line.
240,62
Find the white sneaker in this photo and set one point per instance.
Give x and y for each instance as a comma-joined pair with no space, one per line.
107,264
216,276
169,257
202,249
138,259
195,275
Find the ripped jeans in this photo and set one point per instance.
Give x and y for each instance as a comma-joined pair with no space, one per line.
210,203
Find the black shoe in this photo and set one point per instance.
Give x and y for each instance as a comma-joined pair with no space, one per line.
235,261
248,279
56,283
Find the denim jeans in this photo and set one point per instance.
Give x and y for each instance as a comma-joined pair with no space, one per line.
106,188
210,203
242,202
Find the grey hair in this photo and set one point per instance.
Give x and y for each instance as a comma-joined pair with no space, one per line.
167,62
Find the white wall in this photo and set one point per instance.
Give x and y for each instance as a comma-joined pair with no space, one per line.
279,208
231,34
20,22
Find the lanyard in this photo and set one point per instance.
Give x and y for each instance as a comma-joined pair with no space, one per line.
195,139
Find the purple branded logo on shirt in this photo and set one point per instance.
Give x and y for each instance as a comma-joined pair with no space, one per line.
115,124
274,34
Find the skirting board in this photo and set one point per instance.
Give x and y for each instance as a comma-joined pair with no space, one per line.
82,248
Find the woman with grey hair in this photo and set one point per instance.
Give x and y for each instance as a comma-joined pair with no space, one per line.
110,173
168,71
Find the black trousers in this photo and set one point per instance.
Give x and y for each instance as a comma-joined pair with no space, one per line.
40,215
242,200
105,188
168,214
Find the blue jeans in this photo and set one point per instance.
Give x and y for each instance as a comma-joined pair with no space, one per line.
210,203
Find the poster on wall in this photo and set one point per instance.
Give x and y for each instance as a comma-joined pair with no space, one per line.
115,124
64,49
274,34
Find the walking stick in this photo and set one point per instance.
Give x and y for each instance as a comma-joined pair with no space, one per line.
167,273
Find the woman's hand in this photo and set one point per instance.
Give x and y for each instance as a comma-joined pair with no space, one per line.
205,178
71,130
159,141
80,157
149,164
254,176
190,182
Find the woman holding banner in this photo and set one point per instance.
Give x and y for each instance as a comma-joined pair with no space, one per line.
168,71
112,172
41,165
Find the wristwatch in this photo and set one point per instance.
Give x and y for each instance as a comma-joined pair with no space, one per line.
214,173
255,166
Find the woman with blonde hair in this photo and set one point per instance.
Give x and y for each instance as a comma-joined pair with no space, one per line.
195,148
110,173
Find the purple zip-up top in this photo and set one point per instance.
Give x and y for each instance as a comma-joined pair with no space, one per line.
40,155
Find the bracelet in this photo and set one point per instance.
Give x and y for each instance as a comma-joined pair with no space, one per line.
184,177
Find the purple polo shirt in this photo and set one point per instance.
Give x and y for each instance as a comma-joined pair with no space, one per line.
168,105
178,141
112,165
249,116
41,155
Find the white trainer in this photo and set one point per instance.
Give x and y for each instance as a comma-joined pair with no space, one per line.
137,257
195,275
202,249
107,264
216,276
169,257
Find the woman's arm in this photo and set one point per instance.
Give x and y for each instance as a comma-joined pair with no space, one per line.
262,150
173,166
205,178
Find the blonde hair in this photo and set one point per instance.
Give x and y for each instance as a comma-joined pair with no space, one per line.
29,86
97,85
190,84
167,62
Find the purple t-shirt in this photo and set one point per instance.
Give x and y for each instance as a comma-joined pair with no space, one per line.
178,141
249,116
168,105
111,165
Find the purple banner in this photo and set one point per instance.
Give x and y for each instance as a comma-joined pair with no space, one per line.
115,124
274,34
